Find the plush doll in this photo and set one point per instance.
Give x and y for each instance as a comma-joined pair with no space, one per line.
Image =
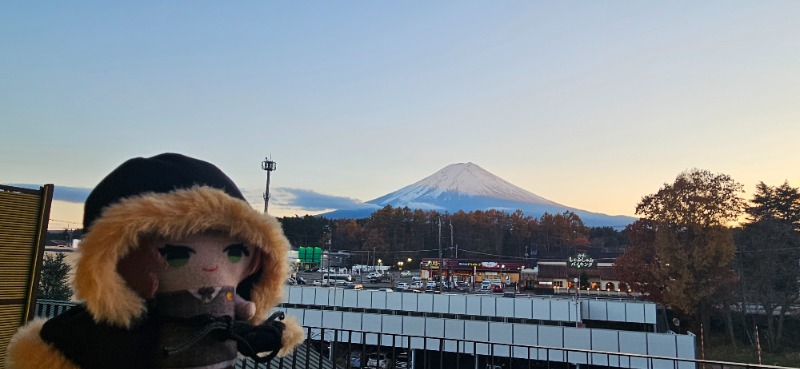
176,271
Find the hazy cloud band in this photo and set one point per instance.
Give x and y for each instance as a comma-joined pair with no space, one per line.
61,193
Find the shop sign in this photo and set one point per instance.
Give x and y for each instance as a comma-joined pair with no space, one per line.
432,264
581,261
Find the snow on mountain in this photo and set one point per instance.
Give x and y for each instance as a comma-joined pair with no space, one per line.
461,180
468,187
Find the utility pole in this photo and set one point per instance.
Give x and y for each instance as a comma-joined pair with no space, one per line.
269,166
451,234
450,271
330,256
440,248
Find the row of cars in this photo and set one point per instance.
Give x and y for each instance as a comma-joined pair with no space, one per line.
419,286
379,360
432,285
295,280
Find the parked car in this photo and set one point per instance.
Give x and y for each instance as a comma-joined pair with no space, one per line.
405,273
384,289
430,284
381,278
401,360
415,285
402,286
486,286
462,286
355,359
353,286
416,278
497,288
377,360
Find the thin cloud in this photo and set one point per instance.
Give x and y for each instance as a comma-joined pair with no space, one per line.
76,195
285,197
314,201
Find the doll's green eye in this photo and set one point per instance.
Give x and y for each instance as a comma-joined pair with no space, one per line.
176,256
235,252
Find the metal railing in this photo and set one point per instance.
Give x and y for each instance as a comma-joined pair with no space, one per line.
351,349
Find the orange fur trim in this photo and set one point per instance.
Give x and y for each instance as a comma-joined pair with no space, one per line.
293,335
176,214
27,350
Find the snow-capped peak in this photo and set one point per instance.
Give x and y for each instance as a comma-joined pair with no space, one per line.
462,179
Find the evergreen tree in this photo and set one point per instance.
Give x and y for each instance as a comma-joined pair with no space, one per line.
769,250
54,284
781,203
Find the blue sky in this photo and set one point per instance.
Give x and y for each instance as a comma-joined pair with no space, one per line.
592,104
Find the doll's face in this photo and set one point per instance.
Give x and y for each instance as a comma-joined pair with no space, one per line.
204,260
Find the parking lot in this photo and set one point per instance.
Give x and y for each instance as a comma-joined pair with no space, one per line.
395,277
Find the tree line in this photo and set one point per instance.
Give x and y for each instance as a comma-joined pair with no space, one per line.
398,233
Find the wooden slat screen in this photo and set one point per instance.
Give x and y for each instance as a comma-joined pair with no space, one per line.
24,216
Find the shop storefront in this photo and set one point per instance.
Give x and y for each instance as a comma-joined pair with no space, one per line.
472,271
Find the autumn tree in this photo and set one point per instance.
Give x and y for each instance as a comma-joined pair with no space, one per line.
304,231
563,230
692,241
607,238
54,284
638,266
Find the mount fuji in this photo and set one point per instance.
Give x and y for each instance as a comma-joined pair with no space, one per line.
468,187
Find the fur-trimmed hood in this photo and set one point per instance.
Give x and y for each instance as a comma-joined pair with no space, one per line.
142,202
123,225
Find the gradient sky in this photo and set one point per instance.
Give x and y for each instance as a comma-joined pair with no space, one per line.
592,104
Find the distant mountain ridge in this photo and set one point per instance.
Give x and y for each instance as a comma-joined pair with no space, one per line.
468,187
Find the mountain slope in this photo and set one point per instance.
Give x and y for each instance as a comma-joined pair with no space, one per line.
468,187
461,181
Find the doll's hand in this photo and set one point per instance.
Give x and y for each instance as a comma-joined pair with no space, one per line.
262,342
244,310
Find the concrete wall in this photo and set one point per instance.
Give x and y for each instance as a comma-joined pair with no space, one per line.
558,309
496,338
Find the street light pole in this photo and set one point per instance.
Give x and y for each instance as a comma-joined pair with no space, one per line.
577,300
451,234
269,166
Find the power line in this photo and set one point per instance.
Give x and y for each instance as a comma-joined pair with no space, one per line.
64,221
